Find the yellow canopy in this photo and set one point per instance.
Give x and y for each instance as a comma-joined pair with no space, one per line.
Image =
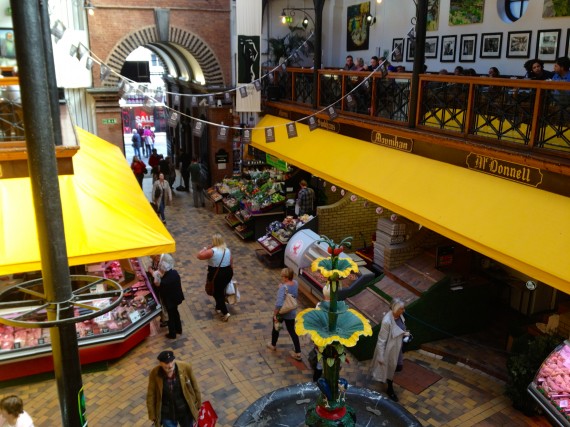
106,214
523,227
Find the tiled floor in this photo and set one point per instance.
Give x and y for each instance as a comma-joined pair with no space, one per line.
230,360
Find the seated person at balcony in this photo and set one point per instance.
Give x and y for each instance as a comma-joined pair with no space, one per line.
471,72
400,69
349,65
306,199
360,65
373,64
494,72
535,70
459,71
561,69
443,72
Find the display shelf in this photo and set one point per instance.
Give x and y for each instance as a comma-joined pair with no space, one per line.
112,329
270,244
243,216
231,220
245,233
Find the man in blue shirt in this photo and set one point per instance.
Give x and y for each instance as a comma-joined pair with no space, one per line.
561,67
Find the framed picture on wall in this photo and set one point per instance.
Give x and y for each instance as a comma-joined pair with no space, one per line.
491,44
518,44
567,51
448,47
431,47
547,45
7,44
410,49
398,50
468,47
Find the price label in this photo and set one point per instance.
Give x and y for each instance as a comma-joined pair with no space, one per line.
104,330
17,344
41,341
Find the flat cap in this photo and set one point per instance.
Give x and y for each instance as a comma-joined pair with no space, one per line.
166,356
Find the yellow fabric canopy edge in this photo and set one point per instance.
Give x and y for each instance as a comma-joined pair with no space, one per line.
105,212
519,226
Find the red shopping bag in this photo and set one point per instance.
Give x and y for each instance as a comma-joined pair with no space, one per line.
207,417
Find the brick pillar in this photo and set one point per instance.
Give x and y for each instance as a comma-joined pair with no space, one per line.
108,119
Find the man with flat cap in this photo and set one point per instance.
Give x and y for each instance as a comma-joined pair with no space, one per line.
173,396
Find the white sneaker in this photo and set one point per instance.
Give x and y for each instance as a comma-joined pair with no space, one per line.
225,317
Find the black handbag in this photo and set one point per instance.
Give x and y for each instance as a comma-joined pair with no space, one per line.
157,192
209,288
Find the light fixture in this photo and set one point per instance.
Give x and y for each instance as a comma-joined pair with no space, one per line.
370,19
288,16
305,22
378,1
284,17
530,285
88,6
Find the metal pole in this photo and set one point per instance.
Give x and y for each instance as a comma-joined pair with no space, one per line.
419,59
41,142
319,5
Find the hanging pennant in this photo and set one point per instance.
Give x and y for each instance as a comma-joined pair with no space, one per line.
291,130
257,85
194,101
246,136
211,100
284,67
176,101
148,104
332,113
270,134
227,98
367,83
198,128
222,133
82,51
89,63
350,102
312,123
173,119
72,50
243,91
57,30
104,72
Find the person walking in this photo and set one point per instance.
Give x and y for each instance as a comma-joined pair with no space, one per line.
171,294
161,195
139,169
196,177
388,356
136,140
173,397
185,170
12,413
153,275
220,268
288,285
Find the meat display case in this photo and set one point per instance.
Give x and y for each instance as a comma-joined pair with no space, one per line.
551,385
27,351
302,249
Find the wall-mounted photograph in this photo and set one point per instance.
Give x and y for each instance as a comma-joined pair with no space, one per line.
555,9
7,44
431,47
358,28
398,50
491,44
464,12
547,45
468,47
448,48
518,44
410,49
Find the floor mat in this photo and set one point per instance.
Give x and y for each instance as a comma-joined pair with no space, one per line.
415,378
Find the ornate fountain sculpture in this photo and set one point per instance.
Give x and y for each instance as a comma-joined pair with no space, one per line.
332,326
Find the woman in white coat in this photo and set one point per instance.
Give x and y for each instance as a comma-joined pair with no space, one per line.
388,354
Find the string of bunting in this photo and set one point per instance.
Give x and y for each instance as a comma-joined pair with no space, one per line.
126,86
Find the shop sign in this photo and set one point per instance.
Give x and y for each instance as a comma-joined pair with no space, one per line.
284,114
328,125
276,162
392,141
109,121
221,157
503,169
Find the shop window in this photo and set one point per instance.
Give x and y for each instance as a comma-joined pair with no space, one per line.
515,9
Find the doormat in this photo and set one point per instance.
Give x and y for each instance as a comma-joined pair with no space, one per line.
415,378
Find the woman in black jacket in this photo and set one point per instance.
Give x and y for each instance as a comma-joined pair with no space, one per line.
171,294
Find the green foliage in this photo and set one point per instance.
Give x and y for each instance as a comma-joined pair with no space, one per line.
561,7
528,353
466,12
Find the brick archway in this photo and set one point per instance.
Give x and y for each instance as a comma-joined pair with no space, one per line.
199,49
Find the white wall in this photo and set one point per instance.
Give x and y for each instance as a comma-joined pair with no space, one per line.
393,20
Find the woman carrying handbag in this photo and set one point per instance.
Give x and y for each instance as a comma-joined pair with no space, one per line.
287,289
220,270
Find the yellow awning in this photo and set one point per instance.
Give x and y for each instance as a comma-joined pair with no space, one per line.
523,227
106,214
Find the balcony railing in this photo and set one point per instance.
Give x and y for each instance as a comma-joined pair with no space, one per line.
530,115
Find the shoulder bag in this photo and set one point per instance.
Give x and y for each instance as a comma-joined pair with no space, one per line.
290,302
209,288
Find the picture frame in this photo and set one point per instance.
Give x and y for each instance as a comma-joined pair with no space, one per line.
548,45
410,49
448,48
468,48
491,45
397,50
518,44
7,44
567,52
431,47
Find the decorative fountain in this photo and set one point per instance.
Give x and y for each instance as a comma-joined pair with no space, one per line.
332,327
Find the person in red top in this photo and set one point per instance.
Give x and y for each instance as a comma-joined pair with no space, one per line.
154,161
139,169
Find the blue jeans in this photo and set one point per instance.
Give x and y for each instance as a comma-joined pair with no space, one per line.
161,209
186,421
